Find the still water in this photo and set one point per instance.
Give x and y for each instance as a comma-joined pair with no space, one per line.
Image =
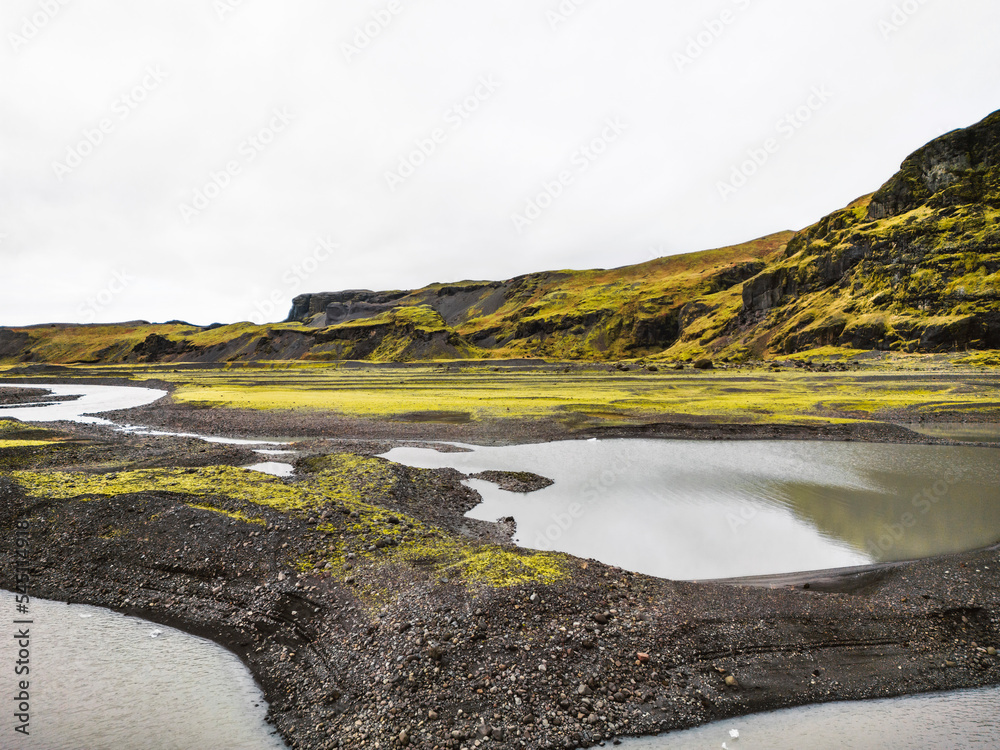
85,401
104,681
937,721
92,400
697,510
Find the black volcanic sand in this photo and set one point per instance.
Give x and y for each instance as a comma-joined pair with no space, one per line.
28,396
318,424
403,657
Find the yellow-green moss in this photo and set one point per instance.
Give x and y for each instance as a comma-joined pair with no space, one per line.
427,548
23,443
981,359
8,426
344,479
239,484
594,394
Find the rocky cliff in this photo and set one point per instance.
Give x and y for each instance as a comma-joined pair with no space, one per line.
912,267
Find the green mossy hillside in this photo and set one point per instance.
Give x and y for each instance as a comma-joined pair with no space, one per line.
914,267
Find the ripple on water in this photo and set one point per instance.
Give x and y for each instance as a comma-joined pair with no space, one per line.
104,681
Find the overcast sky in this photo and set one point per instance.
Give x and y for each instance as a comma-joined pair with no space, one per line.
209,159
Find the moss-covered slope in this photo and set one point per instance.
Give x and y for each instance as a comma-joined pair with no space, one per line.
912,267
592,315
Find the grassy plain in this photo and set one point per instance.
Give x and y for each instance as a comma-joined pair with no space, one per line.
900,387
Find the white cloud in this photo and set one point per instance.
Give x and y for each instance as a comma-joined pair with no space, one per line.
655,189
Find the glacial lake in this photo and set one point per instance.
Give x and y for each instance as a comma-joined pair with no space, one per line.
696,510
104,681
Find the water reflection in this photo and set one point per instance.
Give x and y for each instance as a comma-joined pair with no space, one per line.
698,510
101,680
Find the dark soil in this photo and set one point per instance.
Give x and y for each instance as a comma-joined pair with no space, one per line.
28,396
514,481
307,424
432,663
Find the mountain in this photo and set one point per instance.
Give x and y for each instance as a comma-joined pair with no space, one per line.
913,267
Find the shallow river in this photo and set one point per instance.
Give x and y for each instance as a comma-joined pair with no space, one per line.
103,681
963,720
714,509
92,400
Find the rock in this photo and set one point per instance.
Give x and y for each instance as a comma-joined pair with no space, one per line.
731,681
642,657
601,619
991,651
584,690
432,715
404,738
704,364
514,481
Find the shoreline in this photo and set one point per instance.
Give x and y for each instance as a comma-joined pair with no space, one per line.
857,651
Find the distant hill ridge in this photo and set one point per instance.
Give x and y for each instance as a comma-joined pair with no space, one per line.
913,267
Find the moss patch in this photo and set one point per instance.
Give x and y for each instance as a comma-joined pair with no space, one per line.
351,486
23,443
